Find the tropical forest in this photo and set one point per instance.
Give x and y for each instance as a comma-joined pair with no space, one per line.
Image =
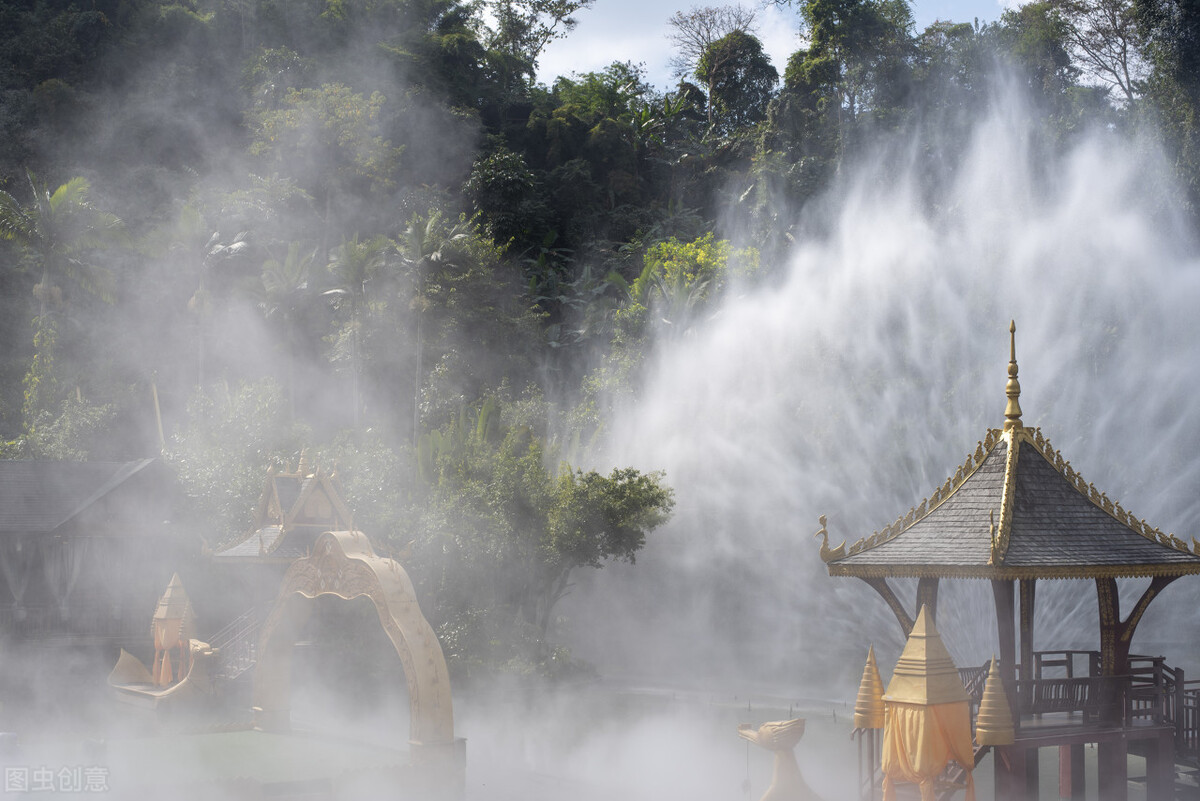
373,233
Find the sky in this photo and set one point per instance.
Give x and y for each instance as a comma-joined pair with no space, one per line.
636,30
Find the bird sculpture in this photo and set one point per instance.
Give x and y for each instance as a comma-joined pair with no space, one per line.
780,737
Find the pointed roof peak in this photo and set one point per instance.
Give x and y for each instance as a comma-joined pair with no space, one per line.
1012,411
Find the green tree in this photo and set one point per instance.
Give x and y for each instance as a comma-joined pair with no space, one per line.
331,140
285,296
222,452
740,80
1172,34
678,281
521,30
59,232
354,265
505,531
1035,37
1105,42
857,59
695,34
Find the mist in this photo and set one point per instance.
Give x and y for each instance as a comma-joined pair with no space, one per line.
847,378
857,384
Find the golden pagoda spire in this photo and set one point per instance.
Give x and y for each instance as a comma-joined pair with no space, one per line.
1012,412
925,674
868,706
994,723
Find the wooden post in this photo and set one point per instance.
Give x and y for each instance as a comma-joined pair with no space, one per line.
1071,780
1011,779
1002,592
1112,769
1027,588
927,593
1160,768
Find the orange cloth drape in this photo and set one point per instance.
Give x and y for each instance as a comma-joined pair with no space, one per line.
168,634
918,741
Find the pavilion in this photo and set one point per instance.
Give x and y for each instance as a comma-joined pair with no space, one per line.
1013,513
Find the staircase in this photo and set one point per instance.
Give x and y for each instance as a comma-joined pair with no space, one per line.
237,645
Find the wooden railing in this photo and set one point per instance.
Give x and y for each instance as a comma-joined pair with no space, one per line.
1152,693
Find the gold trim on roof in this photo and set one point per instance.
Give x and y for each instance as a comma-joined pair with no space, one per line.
925,570
1101,500
1001,535
1013,434
983,449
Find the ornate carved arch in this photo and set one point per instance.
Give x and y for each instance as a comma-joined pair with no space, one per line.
344,565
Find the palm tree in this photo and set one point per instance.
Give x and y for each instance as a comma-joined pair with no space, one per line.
285,286
57,231
354,264
426,243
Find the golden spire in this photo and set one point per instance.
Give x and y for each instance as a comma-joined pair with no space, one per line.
994,723
174,603
868,706
1012,412
925,674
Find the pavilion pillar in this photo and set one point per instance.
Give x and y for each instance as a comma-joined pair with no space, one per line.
1071,775
1003,592
1026,589
927,593
1112,769
1027,605
1011,773
1112,662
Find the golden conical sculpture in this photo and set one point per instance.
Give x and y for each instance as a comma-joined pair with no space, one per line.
994,723
780,737
925,674
928,721
173,628
868,706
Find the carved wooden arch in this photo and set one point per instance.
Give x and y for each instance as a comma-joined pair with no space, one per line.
344,565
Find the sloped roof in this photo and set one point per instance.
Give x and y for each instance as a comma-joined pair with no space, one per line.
38,497
285,528
1015,509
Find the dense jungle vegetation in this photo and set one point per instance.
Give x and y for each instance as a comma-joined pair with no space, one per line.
366,228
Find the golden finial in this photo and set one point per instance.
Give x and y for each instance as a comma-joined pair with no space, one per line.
868,706
305,465
1012,412
994,723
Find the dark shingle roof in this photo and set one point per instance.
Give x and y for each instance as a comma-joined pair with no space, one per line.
39,497
1049,524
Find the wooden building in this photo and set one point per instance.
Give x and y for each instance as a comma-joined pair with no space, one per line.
1015,513
295,508
87,547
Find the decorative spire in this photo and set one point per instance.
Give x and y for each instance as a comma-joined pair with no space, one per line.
868,706
925,674
1012,412
994,723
